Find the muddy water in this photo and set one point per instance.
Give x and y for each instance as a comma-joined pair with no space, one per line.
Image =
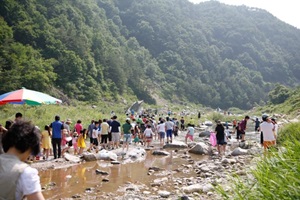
79,179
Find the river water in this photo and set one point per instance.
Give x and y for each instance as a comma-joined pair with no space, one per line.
82,179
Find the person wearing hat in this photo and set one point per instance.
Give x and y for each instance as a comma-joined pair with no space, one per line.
267,128
126,132
57,130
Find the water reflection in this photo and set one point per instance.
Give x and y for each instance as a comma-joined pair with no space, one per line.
76,179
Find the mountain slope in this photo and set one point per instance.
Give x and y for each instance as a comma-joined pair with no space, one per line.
210,53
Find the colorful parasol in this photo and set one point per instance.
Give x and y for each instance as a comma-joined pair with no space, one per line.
28,97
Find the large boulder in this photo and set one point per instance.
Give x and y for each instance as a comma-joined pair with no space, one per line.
200,148
89,156
204,134
101,155
176,145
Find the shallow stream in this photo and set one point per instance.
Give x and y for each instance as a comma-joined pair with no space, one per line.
82,179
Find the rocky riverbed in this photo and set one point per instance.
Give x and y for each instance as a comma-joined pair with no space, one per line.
173,172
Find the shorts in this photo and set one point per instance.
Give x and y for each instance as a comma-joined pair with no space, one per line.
148,139
189,136
169,133
162,135
268,144
115,137
109,137
104,139
70,143
91,140
95,142
221,142
127,138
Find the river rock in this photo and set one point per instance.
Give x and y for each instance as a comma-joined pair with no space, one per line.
114,162
160,153
200,148
71,158
164,194
192,188
238,151
176,145
204,134
228,160
89,156
98,171
207,188
106,155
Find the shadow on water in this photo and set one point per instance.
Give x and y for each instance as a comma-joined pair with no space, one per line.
82,178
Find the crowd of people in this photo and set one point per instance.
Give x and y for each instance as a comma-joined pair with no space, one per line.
267,127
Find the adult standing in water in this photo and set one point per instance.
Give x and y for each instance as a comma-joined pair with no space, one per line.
126,130
243,127
17,179
220,130
57,131
115,132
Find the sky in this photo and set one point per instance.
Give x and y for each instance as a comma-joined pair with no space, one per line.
285,10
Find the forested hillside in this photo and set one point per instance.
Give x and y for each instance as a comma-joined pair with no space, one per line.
210,53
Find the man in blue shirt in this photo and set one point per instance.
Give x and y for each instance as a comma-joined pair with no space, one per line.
57,131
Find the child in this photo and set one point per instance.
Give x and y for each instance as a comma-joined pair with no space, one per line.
81,141
46,142
74,142
148,135
190,133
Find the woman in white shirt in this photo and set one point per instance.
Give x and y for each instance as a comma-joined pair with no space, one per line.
161,129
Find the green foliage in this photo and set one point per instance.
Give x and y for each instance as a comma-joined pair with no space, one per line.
279,94
210,54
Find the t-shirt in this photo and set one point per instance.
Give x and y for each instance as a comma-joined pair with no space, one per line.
169,125
28,183
115,126
126,128
78,127
191,130
267,130
161,127
220,132
148,132
56,126
104,128
95,132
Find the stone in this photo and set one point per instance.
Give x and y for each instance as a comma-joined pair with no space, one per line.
160,153
114,162
98,171
89,156
164,194
200,148
176,145
204,134
72,158
192,188
207,188
154,169
239,151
